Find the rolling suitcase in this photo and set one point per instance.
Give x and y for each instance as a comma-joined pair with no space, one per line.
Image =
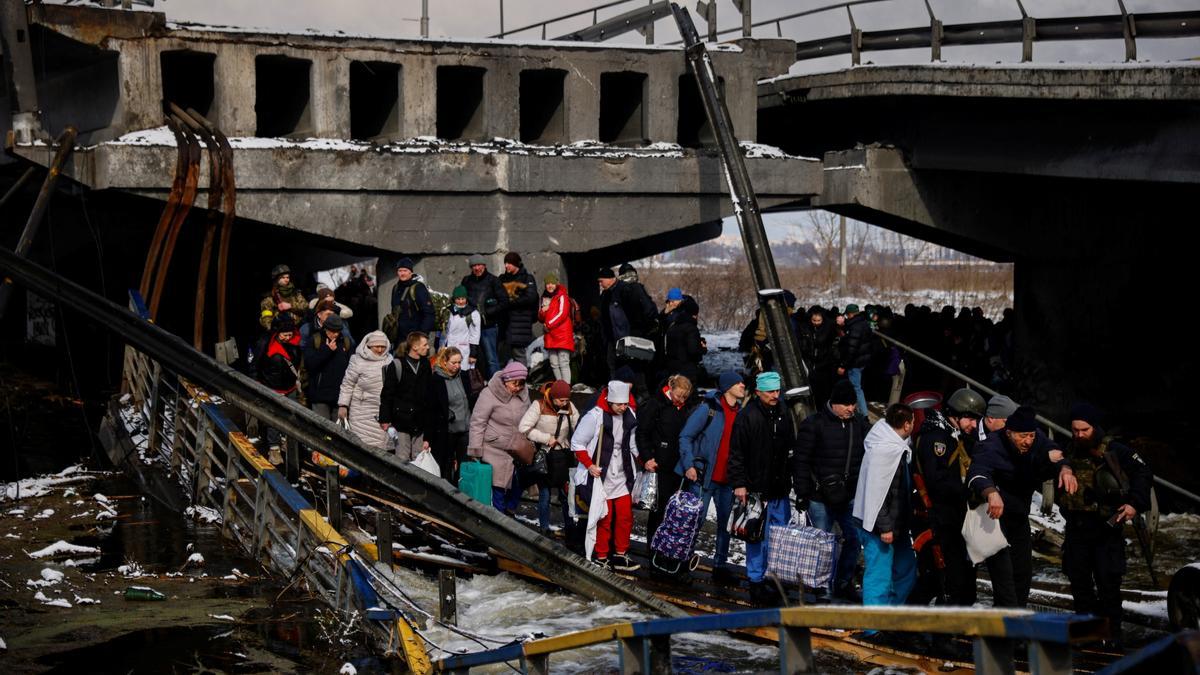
475,479
635,348
671,548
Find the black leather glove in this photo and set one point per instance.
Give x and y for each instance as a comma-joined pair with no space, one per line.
801,504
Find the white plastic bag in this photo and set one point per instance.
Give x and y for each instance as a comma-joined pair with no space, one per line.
983,535
426,461
645,489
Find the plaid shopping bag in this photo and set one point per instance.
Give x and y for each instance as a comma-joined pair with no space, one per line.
798,552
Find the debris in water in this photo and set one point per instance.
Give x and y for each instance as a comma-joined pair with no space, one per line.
222,617
195,559
348,669
85,601
130,569
143,593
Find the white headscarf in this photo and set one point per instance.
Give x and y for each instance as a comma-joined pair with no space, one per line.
884,449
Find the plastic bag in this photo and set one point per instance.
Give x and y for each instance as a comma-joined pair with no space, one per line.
645,489
748,519
426,461
983,534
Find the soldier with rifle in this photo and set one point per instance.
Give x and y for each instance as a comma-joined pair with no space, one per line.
1114,488
944,445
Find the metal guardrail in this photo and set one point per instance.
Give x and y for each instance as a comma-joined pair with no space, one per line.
644,647
1051,424
1025,30
218,467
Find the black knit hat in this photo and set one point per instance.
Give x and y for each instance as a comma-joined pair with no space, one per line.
512,258
283,322
606,273
843,393
1087,412
1023,420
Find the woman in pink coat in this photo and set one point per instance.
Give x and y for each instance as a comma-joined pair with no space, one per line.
494,426
559,336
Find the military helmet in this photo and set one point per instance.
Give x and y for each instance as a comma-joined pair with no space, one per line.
280,270
966,402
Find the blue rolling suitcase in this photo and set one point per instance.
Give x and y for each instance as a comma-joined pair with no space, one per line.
674,540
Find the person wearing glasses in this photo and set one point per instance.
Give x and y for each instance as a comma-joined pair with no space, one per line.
494,434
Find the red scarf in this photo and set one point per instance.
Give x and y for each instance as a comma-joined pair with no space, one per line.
718,474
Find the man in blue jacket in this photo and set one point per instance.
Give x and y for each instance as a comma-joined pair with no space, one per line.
1006,470
704,459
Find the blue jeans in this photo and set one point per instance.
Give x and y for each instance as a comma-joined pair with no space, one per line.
544,495
724,496
823,517
891,569
855,375
507,500
488,338
779,512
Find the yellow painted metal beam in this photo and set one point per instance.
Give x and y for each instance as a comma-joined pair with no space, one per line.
971,622
583,638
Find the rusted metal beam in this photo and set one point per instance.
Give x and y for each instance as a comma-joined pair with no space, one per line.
168,213
229,199
191,179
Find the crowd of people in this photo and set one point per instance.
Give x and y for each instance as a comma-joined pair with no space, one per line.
900,494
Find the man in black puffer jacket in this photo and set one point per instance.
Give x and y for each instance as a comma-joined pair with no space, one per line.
760,450
660,419
486,294
523,301
855,352
326,356
829,452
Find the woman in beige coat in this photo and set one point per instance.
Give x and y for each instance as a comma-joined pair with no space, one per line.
493,428
549,423
358,400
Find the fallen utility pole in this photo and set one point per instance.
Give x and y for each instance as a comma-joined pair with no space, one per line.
66,144
300,424
754,236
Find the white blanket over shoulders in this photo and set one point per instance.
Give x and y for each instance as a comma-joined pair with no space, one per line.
884,448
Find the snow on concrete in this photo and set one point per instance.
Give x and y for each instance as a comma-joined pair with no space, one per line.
60,547
41,485
203,514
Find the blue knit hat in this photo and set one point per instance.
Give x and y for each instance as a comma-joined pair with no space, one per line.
728,379
768,381
674,294
405,262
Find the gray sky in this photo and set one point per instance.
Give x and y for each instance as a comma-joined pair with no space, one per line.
481,18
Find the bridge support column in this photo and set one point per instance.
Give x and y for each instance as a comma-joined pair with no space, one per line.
993,656
646,655
795,651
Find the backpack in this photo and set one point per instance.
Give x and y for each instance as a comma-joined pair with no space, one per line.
576,313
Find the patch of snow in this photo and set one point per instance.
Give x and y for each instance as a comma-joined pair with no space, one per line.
62,548
57,602
52,576
348,669
85,601
3,645
100,498
222,617
37,487
131,570
195,559
203,514
83,562
10,535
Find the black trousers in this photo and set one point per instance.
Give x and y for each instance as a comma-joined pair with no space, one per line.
1011,570
1094,562
668,485
959,575
451,454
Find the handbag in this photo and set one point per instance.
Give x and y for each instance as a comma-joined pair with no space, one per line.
475,381
538,465
748,519
800,552
521,448
833,490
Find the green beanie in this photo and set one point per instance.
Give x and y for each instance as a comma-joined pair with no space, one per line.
459,292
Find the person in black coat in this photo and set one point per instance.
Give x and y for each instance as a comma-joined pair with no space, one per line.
660,420
817,333
450,412
760,451
682,344
829,453
486,294
278,367
523,303
1114,488
326,356
412,307
854,351
1007,468
404,403
625,310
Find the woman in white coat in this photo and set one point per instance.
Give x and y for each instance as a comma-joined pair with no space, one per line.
549,423
358,400
462,328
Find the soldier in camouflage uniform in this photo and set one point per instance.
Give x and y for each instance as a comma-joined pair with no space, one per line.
1114,487
284,297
